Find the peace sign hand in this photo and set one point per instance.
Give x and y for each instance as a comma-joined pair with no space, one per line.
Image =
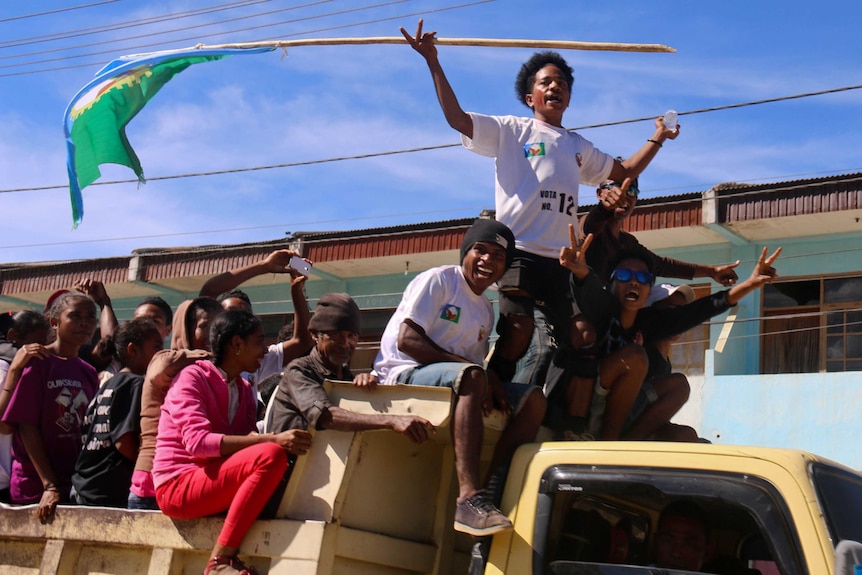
763,271
422,43
574,258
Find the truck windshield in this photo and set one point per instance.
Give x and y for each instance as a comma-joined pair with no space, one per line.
839,493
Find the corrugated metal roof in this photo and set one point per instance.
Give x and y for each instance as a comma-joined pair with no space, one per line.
739,202
52,277
736,203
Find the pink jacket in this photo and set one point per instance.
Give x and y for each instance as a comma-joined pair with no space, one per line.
195,418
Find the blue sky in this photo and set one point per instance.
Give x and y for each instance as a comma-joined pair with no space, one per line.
319,103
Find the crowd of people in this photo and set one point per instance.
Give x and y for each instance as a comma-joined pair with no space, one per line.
583,346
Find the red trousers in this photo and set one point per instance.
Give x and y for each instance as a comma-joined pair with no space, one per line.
241,484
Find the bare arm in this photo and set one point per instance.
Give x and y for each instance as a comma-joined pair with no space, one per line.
610,198
424,44
127,445
295,441
723,274
413,341
762,273
632,166
277,263
301,341
35,446
417,429
107,318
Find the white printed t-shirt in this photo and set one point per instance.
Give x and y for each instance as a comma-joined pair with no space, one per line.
539,169
441,302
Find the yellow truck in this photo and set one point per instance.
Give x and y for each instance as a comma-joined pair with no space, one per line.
375,503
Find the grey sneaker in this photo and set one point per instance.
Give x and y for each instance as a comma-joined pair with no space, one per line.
477,515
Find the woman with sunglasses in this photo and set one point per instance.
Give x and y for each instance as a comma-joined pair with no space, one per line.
623,322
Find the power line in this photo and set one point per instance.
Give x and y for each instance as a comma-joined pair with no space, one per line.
57,11
422,148
163,32
235,31
226,230
119,26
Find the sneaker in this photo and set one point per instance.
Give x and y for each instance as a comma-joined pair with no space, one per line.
476,515
223,565
569,435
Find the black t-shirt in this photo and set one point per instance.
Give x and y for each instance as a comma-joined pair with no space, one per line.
103,474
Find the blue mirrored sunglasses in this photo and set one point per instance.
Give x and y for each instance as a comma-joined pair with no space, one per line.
625,275
633,190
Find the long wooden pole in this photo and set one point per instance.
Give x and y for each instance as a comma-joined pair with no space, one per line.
488,42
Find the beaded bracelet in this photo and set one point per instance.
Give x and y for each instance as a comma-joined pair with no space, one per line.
656,142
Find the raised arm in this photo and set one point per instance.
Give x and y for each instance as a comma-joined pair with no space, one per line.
632,166
107,318
424,44
610,198
278,262
301,342
762,273
574,257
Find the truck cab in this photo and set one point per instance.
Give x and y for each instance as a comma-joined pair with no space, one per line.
593,508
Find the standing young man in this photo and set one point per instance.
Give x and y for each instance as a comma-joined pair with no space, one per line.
539,167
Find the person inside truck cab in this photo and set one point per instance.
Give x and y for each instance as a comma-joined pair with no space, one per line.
439,336
681,537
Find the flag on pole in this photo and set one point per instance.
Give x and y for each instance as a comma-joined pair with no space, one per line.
96,118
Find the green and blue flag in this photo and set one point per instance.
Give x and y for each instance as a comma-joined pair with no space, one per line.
96,118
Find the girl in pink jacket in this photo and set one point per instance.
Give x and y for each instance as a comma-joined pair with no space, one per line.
207,458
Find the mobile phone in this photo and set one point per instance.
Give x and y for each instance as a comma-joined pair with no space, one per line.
300,265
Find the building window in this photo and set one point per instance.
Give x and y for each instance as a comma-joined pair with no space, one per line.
812,325
687,352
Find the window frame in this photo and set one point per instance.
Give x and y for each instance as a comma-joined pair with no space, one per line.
744,490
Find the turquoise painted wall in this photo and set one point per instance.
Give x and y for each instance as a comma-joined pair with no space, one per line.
800,257
815,412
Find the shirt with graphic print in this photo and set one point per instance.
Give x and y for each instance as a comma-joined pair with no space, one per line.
52,394
539,169
441,302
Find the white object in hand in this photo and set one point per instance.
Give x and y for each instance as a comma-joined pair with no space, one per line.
670,119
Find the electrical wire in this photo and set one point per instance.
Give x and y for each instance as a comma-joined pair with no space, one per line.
419,149
56,11
120,26
183,29
250,28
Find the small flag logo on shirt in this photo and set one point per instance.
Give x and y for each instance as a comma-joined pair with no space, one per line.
451,313
533,150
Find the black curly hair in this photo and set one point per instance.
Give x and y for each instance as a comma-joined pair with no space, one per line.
235,294
163,306
136,331
527,75
26,322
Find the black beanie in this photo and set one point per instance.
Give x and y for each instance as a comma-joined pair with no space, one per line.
491,231
335,312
